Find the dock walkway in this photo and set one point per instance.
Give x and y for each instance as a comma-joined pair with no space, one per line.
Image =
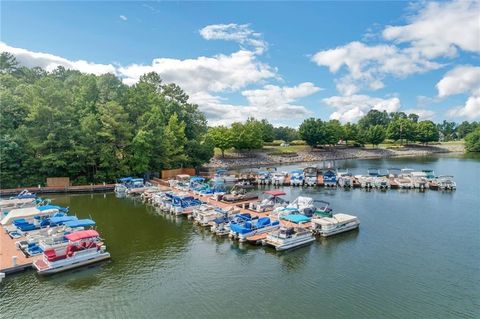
8,250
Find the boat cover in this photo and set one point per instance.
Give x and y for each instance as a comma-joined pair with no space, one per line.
61,220
80,223
296,218
82,234
275,193
25,213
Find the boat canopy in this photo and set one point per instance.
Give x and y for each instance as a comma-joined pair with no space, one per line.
275,193
296,172
183,176
25,213
336,219
296,218
220,170
80,223
82,234
197,179
125,179
61,220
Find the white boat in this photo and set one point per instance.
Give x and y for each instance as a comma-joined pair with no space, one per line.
278,178
270,203
366,181
381,182
310,174
85,247
297,178
288,238
446,182
419,180
302,204
338,223
221,176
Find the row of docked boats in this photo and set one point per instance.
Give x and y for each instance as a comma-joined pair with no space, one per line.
392,178
270,220
55,240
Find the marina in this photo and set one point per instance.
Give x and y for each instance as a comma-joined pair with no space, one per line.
171,247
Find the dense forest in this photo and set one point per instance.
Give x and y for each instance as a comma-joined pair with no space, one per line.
93,128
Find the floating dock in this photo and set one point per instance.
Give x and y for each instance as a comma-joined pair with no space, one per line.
53,190
12,259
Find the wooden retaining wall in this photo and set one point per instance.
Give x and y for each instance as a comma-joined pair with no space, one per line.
171,173
58,181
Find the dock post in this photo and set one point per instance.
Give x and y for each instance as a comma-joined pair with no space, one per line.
243,205
14,261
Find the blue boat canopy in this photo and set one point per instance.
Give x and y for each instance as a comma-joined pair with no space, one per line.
296,218
197,179
80,223
47,207
61,220
125,179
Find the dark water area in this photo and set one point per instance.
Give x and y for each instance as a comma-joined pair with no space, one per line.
416,255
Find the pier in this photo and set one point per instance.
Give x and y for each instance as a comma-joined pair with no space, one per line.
59,189
9,252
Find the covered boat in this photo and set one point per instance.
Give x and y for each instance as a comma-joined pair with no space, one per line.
84,247
240,193
297,178
338,223
288,238
253,227
272,201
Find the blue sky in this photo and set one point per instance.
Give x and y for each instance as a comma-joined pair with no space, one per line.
283,61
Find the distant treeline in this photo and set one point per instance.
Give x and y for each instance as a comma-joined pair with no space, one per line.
93,128
373,128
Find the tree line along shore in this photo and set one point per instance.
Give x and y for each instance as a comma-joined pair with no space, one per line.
94,128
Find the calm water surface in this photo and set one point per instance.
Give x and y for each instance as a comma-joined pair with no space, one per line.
416,255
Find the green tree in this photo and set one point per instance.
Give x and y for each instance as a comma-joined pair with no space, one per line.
375,134
447,130
374,117
426,131
333,132
285,133
350,132
222,138
174,140
472,141
311,131
400,129
465,128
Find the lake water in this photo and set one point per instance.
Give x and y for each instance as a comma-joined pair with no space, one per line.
416,255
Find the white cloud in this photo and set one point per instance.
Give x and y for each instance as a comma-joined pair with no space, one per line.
423,114
440,28
50,62
470,110
205,74
271,102
368,65
241,33
124,18
351,108
462,79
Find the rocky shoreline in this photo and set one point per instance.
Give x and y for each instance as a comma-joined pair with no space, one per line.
262,158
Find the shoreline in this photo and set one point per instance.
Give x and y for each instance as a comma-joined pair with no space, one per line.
262,158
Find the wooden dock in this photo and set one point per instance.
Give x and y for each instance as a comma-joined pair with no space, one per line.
55,190
8,250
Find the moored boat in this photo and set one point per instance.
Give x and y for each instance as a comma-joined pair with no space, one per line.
252,227
84,247
272,201
338,223
288,238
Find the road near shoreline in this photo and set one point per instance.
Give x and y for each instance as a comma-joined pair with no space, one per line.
262,158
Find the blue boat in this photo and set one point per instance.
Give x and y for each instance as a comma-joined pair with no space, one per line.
252,227
330,178
184,204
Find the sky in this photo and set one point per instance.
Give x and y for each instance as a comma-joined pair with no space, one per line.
282,61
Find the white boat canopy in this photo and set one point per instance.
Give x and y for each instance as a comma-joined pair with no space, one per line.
26,213
15,202
336,219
